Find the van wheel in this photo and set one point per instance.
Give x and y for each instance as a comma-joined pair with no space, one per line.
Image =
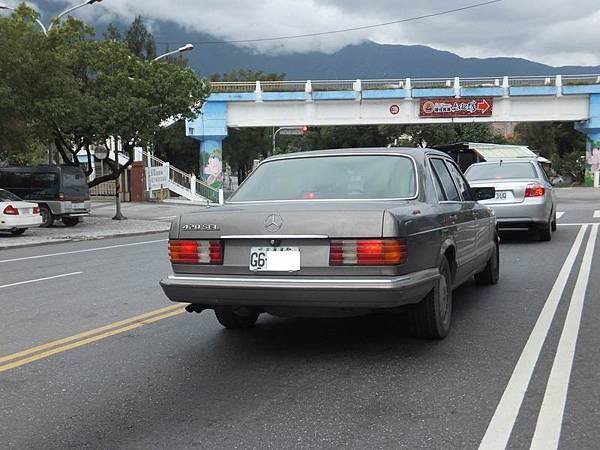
236,318
431,317
70,221
18,231
47,219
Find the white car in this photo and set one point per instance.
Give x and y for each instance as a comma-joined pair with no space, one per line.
16,215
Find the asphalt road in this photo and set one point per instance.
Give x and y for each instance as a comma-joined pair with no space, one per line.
80,368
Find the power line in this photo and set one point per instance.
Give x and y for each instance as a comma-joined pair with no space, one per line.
344,30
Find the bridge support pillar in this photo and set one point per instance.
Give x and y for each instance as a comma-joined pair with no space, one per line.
210,128
591,129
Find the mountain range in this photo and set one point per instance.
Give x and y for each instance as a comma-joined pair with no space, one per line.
368,60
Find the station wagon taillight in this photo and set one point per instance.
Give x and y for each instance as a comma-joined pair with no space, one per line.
10,210
534,190
36,210
61,196
367,252
196,252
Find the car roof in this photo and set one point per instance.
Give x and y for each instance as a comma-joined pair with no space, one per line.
504,161
416,152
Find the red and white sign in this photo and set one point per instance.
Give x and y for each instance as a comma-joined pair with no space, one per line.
394,110
456,107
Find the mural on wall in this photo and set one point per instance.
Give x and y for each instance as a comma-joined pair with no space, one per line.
593,163
212,167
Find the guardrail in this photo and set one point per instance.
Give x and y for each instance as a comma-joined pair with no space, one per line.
402,83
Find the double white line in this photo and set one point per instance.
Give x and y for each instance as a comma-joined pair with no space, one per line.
548,428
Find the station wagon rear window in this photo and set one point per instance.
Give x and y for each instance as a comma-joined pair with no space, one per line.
501,171
344,177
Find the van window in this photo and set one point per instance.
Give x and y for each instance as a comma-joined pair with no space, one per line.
74,182
44,185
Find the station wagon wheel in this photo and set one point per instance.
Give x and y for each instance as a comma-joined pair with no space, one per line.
236,318
545,231
47,219
18,231
491,273
431,317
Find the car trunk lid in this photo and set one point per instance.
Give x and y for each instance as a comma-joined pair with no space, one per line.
507,191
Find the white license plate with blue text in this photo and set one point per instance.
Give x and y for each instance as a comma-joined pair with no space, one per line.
274,259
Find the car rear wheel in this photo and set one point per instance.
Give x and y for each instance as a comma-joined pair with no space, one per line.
236,318
431,317
545,232
47,219
554,222
18,231
70,221
491,273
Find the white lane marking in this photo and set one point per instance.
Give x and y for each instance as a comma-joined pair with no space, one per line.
83,251
40,279
165,217
577,224
500,427
559,214
549,423
597,214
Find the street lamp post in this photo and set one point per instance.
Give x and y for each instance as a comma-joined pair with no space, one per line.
185,48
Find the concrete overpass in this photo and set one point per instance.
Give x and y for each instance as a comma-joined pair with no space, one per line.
401,101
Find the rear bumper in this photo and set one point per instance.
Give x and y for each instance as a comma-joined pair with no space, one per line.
17,222
331,292
522,214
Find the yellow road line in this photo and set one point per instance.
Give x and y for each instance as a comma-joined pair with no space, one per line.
75,337
64,348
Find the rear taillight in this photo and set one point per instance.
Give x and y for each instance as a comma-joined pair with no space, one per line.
10,210
61,196
534,190
196,252
367,252
36,210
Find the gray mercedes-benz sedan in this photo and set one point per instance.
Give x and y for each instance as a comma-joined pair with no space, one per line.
338,233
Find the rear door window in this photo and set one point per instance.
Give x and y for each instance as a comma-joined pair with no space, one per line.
460,181
441,171
74,182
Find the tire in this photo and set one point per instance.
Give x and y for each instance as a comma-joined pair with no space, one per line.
545,232
431,317
18,231
233,319
47,218
70,221
553,225
490,275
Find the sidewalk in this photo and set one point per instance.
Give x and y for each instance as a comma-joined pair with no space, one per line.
142,218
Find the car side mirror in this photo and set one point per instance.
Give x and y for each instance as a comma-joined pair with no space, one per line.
485,193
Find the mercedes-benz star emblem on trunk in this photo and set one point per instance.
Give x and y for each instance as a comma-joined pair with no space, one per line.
273,223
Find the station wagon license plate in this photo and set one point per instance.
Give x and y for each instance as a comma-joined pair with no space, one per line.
504,196
274,259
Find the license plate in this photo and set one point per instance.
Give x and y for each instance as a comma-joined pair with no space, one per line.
274,259
78,205
504,196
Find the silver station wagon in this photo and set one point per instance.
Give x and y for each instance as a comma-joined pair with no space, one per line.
338,233
524,196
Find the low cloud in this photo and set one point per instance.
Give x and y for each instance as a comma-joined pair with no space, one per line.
550,31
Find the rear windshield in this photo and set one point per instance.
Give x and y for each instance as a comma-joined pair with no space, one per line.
74,181
331,177
501,171
6,196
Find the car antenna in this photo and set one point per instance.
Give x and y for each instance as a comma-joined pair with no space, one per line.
500,162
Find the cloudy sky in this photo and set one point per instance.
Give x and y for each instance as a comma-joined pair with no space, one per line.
556,32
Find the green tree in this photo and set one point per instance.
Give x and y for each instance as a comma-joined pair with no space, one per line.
79,92
139,40
112,33
550,138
